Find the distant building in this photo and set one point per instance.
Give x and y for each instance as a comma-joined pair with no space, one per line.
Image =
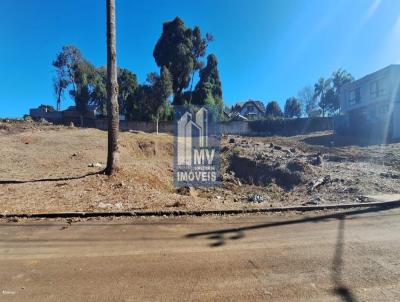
370,106
66,116
43,113
92,112
236,116
226,113
250,109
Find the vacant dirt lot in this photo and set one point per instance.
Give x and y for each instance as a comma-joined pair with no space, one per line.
47,168
309,170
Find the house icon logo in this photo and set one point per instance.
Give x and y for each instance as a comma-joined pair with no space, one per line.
196,146
192,135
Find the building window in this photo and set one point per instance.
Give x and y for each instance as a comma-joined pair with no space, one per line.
354,96
383,109
376,88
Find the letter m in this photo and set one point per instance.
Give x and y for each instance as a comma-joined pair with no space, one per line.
199,156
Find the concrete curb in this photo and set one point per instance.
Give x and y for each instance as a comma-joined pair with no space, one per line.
386,204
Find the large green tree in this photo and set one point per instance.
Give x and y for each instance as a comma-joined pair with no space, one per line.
338,79
99,93
65,66
87,85
161,90
198,51
150,100
341,77
292,108
327,91
138,104
208,90
84,74
307,100
273,110
60,83
78,75
127,82
179,49
323,94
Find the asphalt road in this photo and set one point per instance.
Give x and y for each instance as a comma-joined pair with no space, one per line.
320,257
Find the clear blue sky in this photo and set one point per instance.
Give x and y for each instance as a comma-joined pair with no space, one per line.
267,50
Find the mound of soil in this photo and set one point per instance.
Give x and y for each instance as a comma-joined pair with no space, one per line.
262,173
292,172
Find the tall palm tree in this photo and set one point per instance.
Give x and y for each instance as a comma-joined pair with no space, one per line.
112,92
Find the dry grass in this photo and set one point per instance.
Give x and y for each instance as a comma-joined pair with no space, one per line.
33,153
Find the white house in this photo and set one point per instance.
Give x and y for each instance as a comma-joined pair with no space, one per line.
250,109
371,105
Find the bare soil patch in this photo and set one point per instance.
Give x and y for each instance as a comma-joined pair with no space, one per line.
47,168
292,171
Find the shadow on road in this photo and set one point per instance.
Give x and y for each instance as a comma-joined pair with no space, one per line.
340,289
220,237
7,182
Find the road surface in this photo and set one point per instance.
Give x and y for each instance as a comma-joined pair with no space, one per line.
313,257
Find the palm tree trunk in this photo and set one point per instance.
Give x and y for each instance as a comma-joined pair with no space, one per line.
112,92
157,120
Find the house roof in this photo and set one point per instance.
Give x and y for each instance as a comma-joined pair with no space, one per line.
236,116
371,75
89,107
258,104
238,106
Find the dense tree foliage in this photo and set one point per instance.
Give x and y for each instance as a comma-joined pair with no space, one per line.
321,89
178,52
273,110
66,61
179,49
161,90
99,93
65,64
138,104
150,100
174,51
199,50
307,100
59,85
87,84
127,83
338,79
292,108
208,90
84,77
75,73
326,91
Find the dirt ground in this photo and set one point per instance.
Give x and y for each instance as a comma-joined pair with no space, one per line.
46,168
348,256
